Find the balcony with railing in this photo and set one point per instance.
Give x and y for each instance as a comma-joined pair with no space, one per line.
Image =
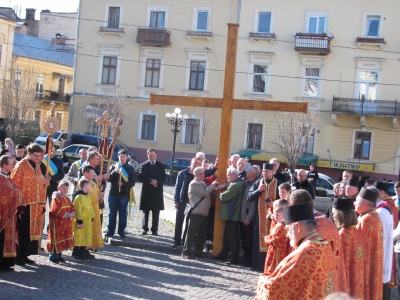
370,41
365,107
53,96
153,36
112,30
199,34
312,43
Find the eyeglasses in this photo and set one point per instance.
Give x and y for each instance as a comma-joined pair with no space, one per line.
37,155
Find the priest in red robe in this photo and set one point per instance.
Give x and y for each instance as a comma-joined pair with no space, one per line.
370,226
310,271
10,204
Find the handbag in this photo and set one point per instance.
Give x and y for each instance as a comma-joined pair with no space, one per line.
188,208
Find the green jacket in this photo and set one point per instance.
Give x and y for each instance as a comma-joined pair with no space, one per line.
231,200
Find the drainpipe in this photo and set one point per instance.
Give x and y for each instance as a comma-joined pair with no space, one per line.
72,98
239,11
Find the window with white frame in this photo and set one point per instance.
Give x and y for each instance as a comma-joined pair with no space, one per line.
39,86
147,126
317,24
157,19
201,19
260,76
254,136
372,26
362,145
368,82
114,14
109,70
153,67
191,131
197,75
264,22
311,82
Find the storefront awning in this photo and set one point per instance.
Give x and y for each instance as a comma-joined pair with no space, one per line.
264,156
346,165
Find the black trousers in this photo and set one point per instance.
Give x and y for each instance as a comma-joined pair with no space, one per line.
386,292
180,218
246,234
231,240
210,223
25,246
155,220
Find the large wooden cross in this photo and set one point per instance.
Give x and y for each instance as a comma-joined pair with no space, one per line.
228,104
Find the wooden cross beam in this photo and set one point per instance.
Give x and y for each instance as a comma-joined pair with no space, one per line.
228,104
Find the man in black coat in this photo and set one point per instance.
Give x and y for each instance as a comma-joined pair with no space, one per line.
278,175
303,183
152,174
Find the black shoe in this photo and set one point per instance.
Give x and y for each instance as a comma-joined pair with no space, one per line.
144,232
19,262
54,261
122,236
60,259
28,261
231,262
7,269
76,257
109,235
154,233
219,257
175,246
187,256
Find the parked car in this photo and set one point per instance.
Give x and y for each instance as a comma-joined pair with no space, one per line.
94,140
59,139
72,151
179,164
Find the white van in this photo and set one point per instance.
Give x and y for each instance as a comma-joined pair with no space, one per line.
59,139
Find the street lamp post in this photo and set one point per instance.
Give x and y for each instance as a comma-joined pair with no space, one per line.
176,119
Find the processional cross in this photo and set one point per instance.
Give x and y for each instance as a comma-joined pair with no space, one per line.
104,122
228,104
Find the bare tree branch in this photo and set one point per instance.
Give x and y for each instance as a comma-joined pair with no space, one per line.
294,129
203,125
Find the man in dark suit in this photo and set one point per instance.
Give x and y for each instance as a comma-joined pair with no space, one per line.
278,175
152,174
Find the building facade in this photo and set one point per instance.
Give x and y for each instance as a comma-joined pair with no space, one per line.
343,63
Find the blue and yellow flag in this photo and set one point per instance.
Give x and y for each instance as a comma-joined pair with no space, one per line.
52,167
132,199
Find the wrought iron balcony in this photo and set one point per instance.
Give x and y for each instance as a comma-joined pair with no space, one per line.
54,96
312,43
111,30
366,107
152,36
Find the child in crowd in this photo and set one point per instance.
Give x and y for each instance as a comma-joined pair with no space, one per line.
284,193
277,241
60,236
83,221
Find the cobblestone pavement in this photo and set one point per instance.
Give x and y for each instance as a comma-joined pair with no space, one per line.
130,273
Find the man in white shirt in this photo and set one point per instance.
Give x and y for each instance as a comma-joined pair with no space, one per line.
387,224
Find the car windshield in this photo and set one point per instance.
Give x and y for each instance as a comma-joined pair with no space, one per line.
331,181
56,135
44,134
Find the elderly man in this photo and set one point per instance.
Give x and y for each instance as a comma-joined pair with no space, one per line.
309,271
233,160
370,225
28,178
199,199
351,189
247,216
278,175
231,206
303,183
241,166
263,192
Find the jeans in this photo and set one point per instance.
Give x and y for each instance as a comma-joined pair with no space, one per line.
180,218
117,204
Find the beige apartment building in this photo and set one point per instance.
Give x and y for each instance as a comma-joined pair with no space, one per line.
343,62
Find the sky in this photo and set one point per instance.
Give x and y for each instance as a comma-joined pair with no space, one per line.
53,5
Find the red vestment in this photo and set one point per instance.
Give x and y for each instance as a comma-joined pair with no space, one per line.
308,272
30,182
354,260
328,231
278,247
263,211
370,226
10,199
60,235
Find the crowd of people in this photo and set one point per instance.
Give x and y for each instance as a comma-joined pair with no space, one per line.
302,253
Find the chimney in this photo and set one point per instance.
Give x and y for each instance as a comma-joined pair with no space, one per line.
30,14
